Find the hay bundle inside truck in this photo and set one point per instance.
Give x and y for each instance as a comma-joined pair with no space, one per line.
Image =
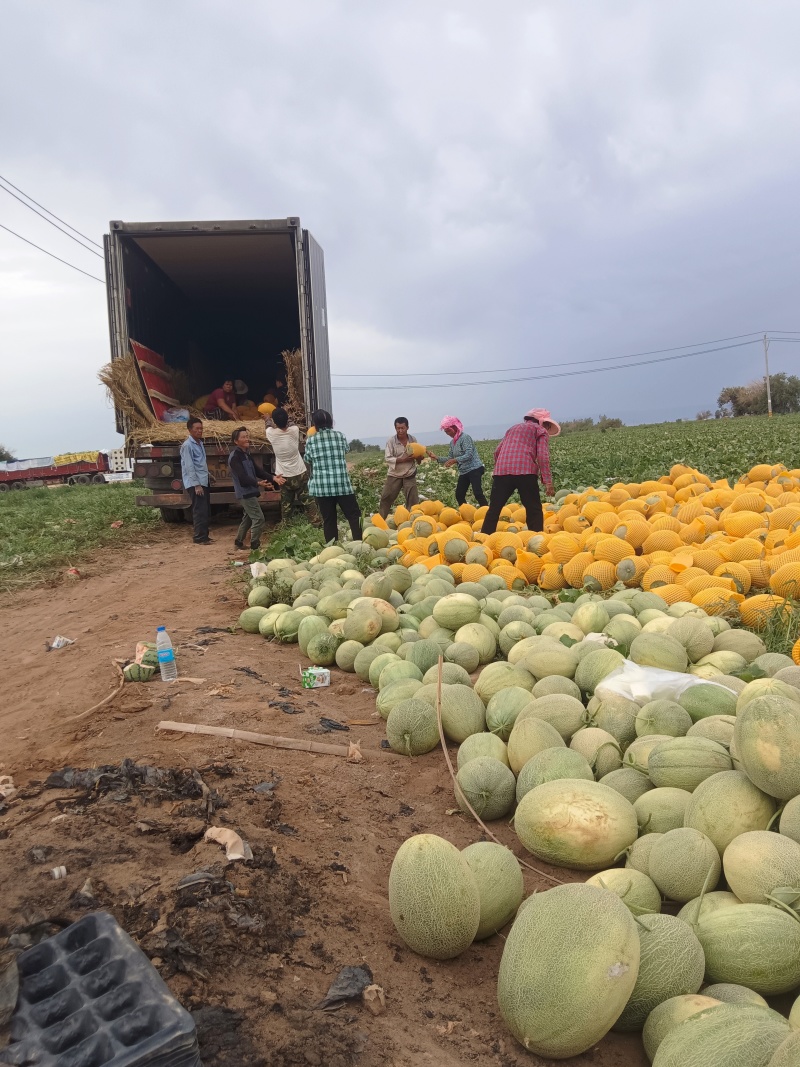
194,304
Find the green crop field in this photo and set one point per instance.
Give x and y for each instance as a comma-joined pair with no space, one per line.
45,531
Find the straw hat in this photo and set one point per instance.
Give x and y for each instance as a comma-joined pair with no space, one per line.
545,420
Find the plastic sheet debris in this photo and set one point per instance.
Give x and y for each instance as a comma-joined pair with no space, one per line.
374,999
235,847
7,787
643,684
349,984
59,641
59,872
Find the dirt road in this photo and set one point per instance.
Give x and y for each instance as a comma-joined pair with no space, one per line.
250,948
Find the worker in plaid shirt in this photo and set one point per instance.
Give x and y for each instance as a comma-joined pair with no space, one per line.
330,483
521,458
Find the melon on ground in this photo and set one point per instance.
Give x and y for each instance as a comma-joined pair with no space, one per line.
574,823
727,993
346,655
726,805
250,618
661,810
630,783
433,897
637,892
706,699
616,715
481,744
730,1035
599,747
685,762
489,787
412,727
565,713
767,739
683,863
555,684
503,709
660,651
638,855
595,666
671,1013
759,862
790,820
754,945
452,674
671,964
552,764
395,693
464,655
528,737
706,904
560,995
498,676
322,648
500,885
463,713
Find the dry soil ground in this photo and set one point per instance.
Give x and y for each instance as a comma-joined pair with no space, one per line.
252,949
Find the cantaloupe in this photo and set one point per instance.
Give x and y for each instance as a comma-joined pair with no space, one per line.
638,855
637,754
630,783
412,727
378,664
456,610
500,885
480,638
761,687
488,785
758,862
466,656
463,712
322,648
396,670
396,693
726,805
727,993
434,898
595,666
555,685
577,824
498,676
665,717
565,713
717,728
671,1013
481,744
560,995
637,892
685,762
504,707
599,747
748,645
706,699
551,764
754,945
767,738
787,1054
528,737
707,903
616,715
659,650
790,820
452,674
363,625
683,863
364,659
730,1035
250,618
661,810
671,964
695,636
423,654
346,655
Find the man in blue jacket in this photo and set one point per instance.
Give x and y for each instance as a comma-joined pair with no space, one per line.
194,472
248,480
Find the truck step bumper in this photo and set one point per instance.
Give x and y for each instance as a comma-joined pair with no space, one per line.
181,500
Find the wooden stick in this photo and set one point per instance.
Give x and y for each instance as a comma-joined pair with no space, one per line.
105,700
351,752
460,792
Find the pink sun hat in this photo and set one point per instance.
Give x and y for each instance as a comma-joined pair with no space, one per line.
545,420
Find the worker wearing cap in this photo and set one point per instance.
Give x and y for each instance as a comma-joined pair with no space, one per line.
520,460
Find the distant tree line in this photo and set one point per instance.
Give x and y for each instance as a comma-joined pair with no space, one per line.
358,446
5,455
603,423
737,400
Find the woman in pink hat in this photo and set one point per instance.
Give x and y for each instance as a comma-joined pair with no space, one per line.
520,460
463,454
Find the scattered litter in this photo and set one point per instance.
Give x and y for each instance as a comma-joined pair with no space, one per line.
385,744
285,829
116,525
212,630
7,787
375,999
249,672
134,779
286,707
258,570
59,641
85,897
349,984
314,677
446,1031
238,563
73,572
235,847
332,724
266,787
59,872
197,878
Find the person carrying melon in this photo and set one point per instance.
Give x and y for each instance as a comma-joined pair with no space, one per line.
330,483
463,454
402,464
291,473
520,460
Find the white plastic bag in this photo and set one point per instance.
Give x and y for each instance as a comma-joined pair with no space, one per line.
643,684
258,570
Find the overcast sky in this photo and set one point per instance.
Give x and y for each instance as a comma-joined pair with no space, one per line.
494,186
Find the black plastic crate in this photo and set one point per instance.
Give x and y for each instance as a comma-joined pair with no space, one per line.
89,997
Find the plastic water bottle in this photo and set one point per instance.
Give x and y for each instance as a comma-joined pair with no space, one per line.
166,656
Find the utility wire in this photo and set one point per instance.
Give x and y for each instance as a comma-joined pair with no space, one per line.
60,228
572,363
537,377
83,235
52,254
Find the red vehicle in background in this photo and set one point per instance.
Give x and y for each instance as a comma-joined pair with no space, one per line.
79,468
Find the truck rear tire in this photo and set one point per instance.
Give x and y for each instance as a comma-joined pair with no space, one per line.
98,479
81,479
18,485
173,514
3,487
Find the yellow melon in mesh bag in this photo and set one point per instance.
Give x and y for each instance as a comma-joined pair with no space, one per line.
738,573
665,522
707,559
600,575
716,601
674,594
742,523
786,581
756,610
401,515
612,549
574,568
563,547
473,572
530,565
605,522
760,573
742,549
449,516
662,541
551,577
656,577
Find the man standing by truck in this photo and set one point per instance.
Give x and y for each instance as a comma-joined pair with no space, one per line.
248,480
402,476
194,472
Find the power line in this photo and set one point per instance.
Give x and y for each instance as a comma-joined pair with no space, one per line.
52,254
537,377
571,363
50,221
83,235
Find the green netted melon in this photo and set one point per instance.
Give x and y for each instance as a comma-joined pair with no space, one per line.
706,699
463,713
766,687
772,662
395,693
322,648
599,747
637,892
433,897
638,855
754,945
684,862
364,660
685,762
748,645
789,675
577,824
706,904
266,625
559,994
789,825
637,754
671,964
500,885
310,627
727,993
456,610
671,1013
623,630
729,1035
287,625
389,642
528,737
727,805
259,597
616,715
717,728
559,662
503,709
481,744
659,650
412,727
336,604
250,618
661,810
629,782
767,739
466,656
758,862
423,654
551,764
565,713
139,672
452,674
695,636
379,663
512,634
787,1054
665,717
396,670
591,617
489,787
362,625
555,685
480,638
595,666
498,676
399,578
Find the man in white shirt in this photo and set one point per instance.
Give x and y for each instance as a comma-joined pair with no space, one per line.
291,473
402,475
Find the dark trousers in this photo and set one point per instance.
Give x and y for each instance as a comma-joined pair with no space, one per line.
199,512
503,486
471,479
350,509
